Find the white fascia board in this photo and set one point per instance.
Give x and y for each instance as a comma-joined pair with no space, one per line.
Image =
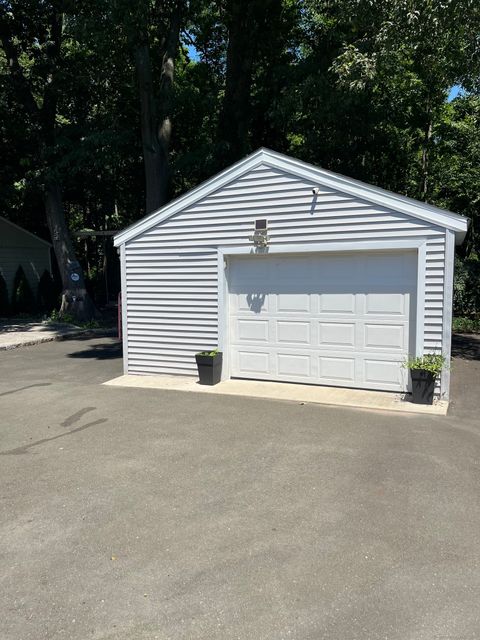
28,233
316,176
189,198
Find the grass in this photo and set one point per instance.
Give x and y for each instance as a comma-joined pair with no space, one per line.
466,325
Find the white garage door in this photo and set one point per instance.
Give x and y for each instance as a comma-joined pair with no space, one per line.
333,319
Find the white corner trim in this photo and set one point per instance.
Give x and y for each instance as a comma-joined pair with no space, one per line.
223,313
311,174
123,284
420,301
447,312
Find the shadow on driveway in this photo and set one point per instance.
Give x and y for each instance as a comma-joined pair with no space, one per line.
105,351
28,386
466,346
26,447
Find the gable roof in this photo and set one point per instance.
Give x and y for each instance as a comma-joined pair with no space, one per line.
381,197
28,233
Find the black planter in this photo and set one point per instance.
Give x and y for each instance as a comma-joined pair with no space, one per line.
209,368
423,386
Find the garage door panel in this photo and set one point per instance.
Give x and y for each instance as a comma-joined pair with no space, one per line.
291,365
256,330
337,303
386,372
327,319
252,301
385,304
294,302
337,369
336,334
385,336
291,331
286,271
254,362
249,272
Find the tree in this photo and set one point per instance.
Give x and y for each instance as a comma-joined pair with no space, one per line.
411,54
90,91
33,41
152,30
247,23
455,167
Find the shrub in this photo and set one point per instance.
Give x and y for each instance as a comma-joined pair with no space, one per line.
212,354
23,300
466,325
4,302
466,289
433,362
48,294
56,317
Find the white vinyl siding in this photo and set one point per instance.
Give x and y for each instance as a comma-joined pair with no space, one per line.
171,268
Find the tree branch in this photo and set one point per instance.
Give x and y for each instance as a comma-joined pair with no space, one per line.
53,48
22,85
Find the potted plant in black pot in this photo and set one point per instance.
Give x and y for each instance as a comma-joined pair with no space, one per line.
424,371
209,364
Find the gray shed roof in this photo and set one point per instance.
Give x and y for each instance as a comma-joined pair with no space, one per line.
24,231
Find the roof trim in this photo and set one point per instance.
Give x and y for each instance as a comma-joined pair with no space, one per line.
381,197
29,233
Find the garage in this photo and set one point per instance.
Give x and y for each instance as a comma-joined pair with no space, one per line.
333,319
295,273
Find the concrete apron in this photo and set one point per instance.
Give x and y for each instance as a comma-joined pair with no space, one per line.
358,398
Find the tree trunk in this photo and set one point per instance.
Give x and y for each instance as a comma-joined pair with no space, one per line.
234,117
154,157
166,87
427,136
75,299
156,126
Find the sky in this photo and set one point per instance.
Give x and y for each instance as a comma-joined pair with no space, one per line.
193,53
454,92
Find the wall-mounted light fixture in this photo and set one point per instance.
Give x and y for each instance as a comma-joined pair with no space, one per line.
260,235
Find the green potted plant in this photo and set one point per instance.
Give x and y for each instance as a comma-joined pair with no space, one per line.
424,371
209,364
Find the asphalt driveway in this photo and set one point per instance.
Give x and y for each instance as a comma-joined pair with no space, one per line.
139,514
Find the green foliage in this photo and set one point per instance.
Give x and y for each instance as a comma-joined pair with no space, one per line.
56,316
209,353
433,362
466,325
48,293
91,324
67,318
4,302
23,300
466,287
356,87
